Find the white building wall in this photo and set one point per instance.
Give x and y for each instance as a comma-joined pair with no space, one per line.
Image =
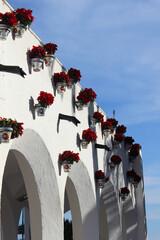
54,137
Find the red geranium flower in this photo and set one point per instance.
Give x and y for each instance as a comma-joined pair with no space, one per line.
112,121
89,135
106,125
61,77
118,137
128,140
45,99
87,95
24,16
9,19
37,52
98,116
134,152
99,175
116,159
50,48
125,190
70,157
74,74
121,129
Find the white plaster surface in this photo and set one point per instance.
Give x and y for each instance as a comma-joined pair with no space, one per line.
37,153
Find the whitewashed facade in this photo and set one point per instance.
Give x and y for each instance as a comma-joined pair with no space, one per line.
29,165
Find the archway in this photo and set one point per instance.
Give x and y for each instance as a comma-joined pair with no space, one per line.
82,203
39,181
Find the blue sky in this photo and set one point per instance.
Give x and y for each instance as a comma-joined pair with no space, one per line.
116,45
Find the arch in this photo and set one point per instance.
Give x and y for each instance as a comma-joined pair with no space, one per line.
110,221
39,176
129,220
82,203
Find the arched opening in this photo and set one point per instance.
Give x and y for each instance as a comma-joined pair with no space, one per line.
109,215
19,196
81,201
29,173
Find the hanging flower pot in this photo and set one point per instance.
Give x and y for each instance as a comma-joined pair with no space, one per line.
61,87
113,123
87,137
45,100
106,128
50,49
118,138
133,177
74,77
71,83
93,122
128,141
40,110
37,64
9,129
61,80
115,160
100,178
24,18
86,96
37,55
84,144
49,59
4,31
124,193
134,152
19,30
66,166
5,134
67,159
79,105
7,20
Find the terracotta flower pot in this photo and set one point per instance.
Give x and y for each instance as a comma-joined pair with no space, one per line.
5,134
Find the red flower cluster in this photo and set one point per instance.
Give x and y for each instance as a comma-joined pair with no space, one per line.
128,140
17,127
61,77
45,99
24,16
134,152
74,74
99,175
118,137
113,121
116,159
69,156
135,176
121,129
50,48
106,125
98,116
9,19
87,95
37,52
125,190
89,135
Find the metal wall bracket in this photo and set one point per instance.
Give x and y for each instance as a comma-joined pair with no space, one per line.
102,147
69,118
